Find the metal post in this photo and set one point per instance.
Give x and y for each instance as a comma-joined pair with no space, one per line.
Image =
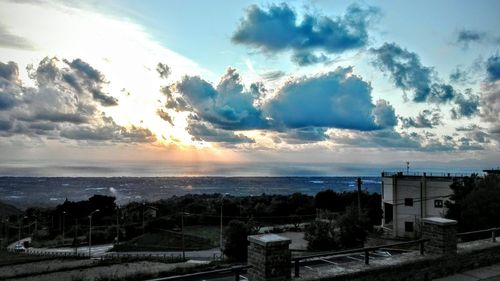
359,197
493,236
63,218
143,205
19,236
117,224
297,268
90,236
220,240
367,257
182,227
421,248
237,273
90,233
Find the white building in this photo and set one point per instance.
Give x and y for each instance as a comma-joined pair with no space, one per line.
407,198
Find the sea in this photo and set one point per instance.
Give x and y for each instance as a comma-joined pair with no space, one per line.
50,191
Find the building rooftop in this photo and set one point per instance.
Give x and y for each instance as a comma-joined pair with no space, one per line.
425,174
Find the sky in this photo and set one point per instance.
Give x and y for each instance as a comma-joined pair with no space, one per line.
248,88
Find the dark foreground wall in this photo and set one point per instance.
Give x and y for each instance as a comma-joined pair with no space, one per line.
469,256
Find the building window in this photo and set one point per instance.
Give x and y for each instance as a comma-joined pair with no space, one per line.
438,203
408,226
408,201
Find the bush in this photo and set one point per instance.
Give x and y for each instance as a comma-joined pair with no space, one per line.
353,228
235,238
320,235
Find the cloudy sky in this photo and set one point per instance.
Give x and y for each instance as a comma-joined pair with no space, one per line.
248,87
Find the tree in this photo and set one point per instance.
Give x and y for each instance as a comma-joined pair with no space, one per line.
353,228
329,200
320,235
235,238
475,203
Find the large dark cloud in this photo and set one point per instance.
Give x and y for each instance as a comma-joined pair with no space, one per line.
493,68
66,103
303,108
277,29
409,74
336,99
227,106
9,40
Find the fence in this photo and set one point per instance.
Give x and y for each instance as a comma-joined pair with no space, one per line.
235,271
421,174
492,230
366,251
142,256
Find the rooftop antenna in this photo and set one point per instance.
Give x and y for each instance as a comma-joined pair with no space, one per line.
407,167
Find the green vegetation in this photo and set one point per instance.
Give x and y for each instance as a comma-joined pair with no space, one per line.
235,240
475,203
163,241
345,231
9,258
210,232
156,226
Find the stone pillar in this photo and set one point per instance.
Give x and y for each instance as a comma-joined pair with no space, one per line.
270,258
442,234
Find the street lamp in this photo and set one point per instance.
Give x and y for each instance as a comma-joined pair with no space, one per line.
221,204
63,217
182,228
20,227
90,232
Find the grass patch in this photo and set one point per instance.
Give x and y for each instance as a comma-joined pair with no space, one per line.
9,258
210,232
164,241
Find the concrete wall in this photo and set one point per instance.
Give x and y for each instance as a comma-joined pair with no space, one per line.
420,268
443,258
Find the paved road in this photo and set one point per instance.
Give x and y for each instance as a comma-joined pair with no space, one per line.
210,254
490,273
103,250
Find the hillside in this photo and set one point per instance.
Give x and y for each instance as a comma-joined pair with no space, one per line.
8,210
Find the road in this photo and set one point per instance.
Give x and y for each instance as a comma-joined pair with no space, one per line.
103,250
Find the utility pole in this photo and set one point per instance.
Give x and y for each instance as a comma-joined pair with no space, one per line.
182,228
143,206
221,205
117,223
90,233
63,218
76,235
359,197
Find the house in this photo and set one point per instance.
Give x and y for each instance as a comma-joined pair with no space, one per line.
407,198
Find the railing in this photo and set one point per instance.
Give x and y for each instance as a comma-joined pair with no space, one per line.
492,230
236,270
421,174
366,251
